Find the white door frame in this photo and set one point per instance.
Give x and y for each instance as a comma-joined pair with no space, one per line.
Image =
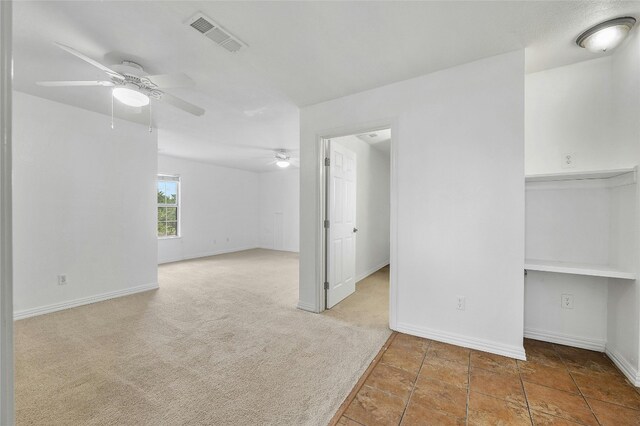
322,179
7,410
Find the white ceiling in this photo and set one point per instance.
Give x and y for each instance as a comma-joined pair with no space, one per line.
299,53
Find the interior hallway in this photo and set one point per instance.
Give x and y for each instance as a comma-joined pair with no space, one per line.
221,342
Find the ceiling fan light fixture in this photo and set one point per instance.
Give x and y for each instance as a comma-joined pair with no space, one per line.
606,35
283,164
130,97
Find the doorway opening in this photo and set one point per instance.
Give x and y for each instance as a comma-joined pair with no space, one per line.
356,220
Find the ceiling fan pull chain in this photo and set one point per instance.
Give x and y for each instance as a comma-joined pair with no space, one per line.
112,109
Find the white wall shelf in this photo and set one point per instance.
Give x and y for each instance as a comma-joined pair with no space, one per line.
577,269
588,175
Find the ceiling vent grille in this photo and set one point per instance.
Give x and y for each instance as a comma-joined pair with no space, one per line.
215,32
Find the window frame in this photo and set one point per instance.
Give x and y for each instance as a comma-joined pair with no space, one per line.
177,205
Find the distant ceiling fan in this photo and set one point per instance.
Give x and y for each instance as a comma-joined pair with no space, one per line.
130,84
283,159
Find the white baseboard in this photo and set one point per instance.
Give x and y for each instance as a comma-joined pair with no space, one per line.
376,268
625,366
465,341
305,306
206,254
41,310
290,250
566,339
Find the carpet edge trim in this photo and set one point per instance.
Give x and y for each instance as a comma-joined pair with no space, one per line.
356,388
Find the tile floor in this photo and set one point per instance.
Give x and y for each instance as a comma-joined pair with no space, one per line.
416,381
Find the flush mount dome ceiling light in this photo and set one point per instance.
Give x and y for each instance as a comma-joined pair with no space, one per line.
606,35
130,97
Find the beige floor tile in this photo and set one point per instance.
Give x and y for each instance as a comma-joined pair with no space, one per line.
392,380
553,377
375,407
449,352
507,387
344,421
543,419
614,415
558,403
443,370
582,360
609,388
485,410
441,396
493,362
421,415
399,357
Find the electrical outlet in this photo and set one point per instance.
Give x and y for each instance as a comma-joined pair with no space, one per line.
62,279
461,303
567,301
568,160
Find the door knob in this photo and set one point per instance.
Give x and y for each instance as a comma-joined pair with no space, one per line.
355,230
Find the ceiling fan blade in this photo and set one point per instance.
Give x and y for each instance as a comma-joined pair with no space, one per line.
183,105
90,61
75,83
163,81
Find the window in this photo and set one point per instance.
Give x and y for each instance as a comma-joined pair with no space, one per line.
168,206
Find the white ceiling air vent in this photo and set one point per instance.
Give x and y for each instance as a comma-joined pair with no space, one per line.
215,32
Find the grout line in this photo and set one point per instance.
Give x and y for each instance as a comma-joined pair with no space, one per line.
349,399
415,381
585,399
466,418
355,421
524,392
612,403
576,384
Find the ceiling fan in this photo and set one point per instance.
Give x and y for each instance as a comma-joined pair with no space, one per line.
283,159
130,84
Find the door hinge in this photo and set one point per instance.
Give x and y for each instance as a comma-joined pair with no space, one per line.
327,161
326,224
326,285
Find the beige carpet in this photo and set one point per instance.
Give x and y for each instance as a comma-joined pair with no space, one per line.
219,343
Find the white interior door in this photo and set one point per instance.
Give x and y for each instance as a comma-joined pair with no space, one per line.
341,254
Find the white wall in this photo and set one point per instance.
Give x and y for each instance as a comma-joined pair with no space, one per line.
83,205
218,207
459,168
372,205
279,212
623,335
568,110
